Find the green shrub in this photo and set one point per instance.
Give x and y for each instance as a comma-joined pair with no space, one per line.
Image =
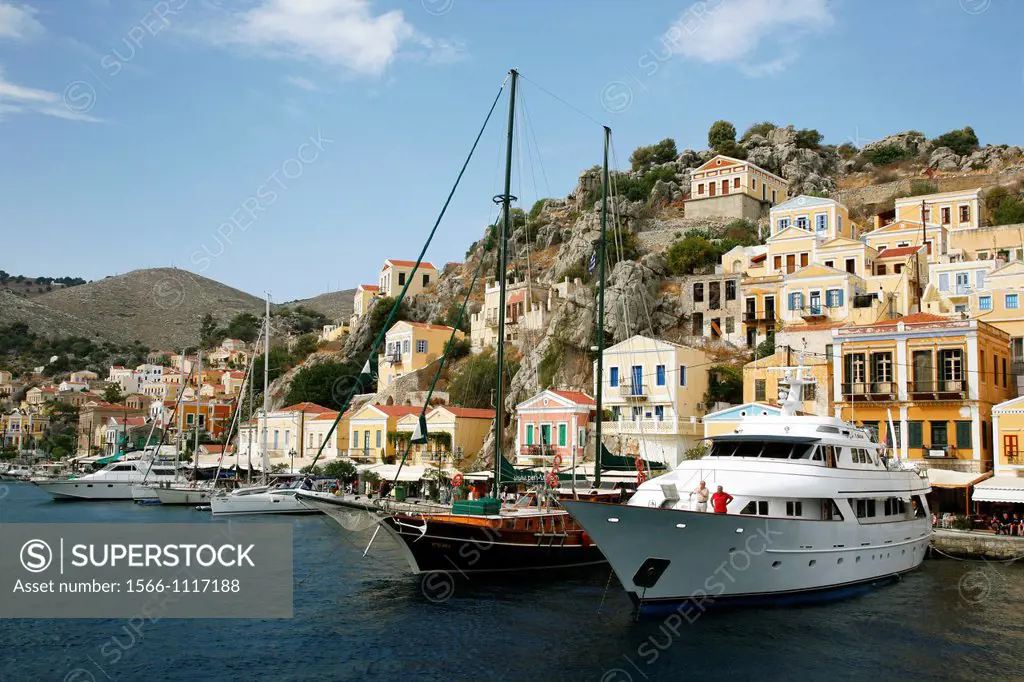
535,210
689,253
962,141
662,152
456,349
846,151
696,452
725,385
720,134
1009,212
922,187
808,138
887,154
762,129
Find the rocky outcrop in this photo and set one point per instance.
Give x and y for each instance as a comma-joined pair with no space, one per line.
911,141
944,159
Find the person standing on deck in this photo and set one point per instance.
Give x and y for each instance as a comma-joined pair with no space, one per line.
720,501
702,494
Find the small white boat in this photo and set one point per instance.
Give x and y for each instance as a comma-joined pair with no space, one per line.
183,493
261,500
113,482
17,473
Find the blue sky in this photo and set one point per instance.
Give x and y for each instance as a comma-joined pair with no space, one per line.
322,136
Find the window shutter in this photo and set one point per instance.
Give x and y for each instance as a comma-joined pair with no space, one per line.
839,298
943,281
915,434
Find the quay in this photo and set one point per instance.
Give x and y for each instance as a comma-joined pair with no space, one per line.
964,544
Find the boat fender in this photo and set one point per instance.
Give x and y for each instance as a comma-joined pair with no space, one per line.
640,478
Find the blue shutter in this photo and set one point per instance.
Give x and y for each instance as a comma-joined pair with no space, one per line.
682,375
980,279
839,297
792,301
614,379
661,374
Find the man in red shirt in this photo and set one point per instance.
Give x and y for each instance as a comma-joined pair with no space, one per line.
720,500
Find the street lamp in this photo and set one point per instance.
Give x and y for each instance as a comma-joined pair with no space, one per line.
292,467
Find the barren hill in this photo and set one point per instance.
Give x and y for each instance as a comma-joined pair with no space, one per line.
44,320
160,307
337,305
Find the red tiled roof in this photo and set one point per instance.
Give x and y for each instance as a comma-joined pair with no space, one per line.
577,397
330,415
908,319
409,263
399,410
898,252
369,287
425,325
213,449
469,412
305,407
131,421
759,258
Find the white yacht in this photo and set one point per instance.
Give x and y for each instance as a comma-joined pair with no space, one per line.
261,500
113,482
816,511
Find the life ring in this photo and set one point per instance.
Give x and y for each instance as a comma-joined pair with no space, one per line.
640,478
557,461
639,464
457,480
552,479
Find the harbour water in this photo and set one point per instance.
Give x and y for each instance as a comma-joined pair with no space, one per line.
359,618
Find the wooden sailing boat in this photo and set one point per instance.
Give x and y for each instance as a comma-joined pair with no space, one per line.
479,536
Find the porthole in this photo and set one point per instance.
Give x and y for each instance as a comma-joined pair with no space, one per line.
857,560
812,562
904,551
839,560
776,564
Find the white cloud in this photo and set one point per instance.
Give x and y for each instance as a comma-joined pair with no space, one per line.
345,33
302,83
17,22
19,99
732,31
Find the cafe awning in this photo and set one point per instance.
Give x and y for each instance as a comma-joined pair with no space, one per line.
944,478
1000,489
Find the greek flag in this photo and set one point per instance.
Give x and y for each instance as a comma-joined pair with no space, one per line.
593,261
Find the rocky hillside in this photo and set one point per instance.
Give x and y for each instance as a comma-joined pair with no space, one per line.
336,305
159,307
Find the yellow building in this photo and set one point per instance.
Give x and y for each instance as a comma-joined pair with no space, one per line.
937,377
394,273
410,346
361,300
962,210
724,186
988,243
455,435
825,218
655,391
764,378
372,431
904,233
23,430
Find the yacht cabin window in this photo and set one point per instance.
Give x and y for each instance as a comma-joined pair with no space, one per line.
794,508
758,507
865,508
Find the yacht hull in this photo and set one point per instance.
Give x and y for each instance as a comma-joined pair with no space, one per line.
437,542
178,495
82,490
667,557
258,503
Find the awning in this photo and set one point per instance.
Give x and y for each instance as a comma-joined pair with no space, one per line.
944,478
1000,489
408,473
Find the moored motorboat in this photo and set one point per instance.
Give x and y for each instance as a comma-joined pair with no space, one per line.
113,482
812,508
260,500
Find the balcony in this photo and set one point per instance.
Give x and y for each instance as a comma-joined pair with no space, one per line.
944,389
756,316
393,358
640,427
634,391
813,312
1017,366
873,391
538,450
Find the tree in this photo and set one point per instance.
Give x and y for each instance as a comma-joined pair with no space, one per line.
689,253
962,141
379,316
305,345
476,379
280,361
340,468
762,129
846,151
808,138
643,158
244,326
721,134
1004,206
725,385
766,347
886,154
209,334
325,383
457,349
112,394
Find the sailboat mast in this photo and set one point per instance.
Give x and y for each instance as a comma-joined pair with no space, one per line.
265,458
506,204
199,398
600,312
181,413
252,427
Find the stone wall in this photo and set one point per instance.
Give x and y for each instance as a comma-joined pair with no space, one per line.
961,543
727,206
